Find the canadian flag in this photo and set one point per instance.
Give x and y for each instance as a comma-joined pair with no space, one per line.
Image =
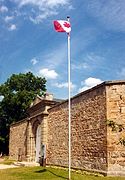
62,26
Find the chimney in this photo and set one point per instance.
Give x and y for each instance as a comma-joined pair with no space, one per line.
48,96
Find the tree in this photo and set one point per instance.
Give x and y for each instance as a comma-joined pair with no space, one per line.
18,92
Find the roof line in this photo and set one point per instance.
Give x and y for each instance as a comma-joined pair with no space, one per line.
91,89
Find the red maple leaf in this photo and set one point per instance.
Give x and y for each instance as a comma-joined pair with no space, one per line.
66,24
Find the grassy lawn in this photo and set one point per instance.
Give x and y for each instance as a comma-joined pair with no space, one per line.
35,173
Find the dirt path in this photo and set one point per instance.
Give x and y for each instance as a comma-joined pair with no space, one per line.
3,166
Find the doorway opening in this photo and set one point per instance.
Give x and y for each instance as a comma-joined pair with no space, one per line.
38,143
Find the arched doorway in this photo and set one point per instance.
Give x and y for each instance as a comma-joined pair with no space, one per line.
38,143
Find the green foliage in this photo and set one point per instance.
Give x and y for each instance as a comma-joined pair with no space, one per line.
115,127
18,91
122,141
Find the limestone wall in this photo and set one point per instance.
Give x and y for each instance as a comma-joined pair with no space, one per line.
22,143
18,140
116,114
89,131
96,146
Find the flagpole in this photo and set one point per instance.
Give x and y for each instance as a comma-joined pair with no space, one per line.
69,102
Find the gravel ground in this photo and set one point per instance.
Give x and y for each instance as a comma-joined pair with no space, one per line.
3,166
16,164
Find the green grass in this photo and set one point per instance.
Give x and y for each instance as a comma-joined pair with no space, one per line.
40,173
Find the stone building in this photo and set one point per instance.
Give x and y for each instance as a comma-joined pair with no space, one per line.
97,139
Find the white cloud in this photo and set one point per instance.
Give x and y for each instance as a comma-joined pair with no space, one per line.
65,85
89,83
39,18
8,18
42,3
92,81
3,9
34,61
45,8
12,27
49,74
56,2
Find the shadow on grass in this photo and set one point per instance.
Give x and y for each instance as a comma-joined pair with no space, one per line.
41,171
46,170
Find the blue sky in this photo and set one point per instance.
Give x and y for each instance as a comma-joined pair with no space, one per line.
28,42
